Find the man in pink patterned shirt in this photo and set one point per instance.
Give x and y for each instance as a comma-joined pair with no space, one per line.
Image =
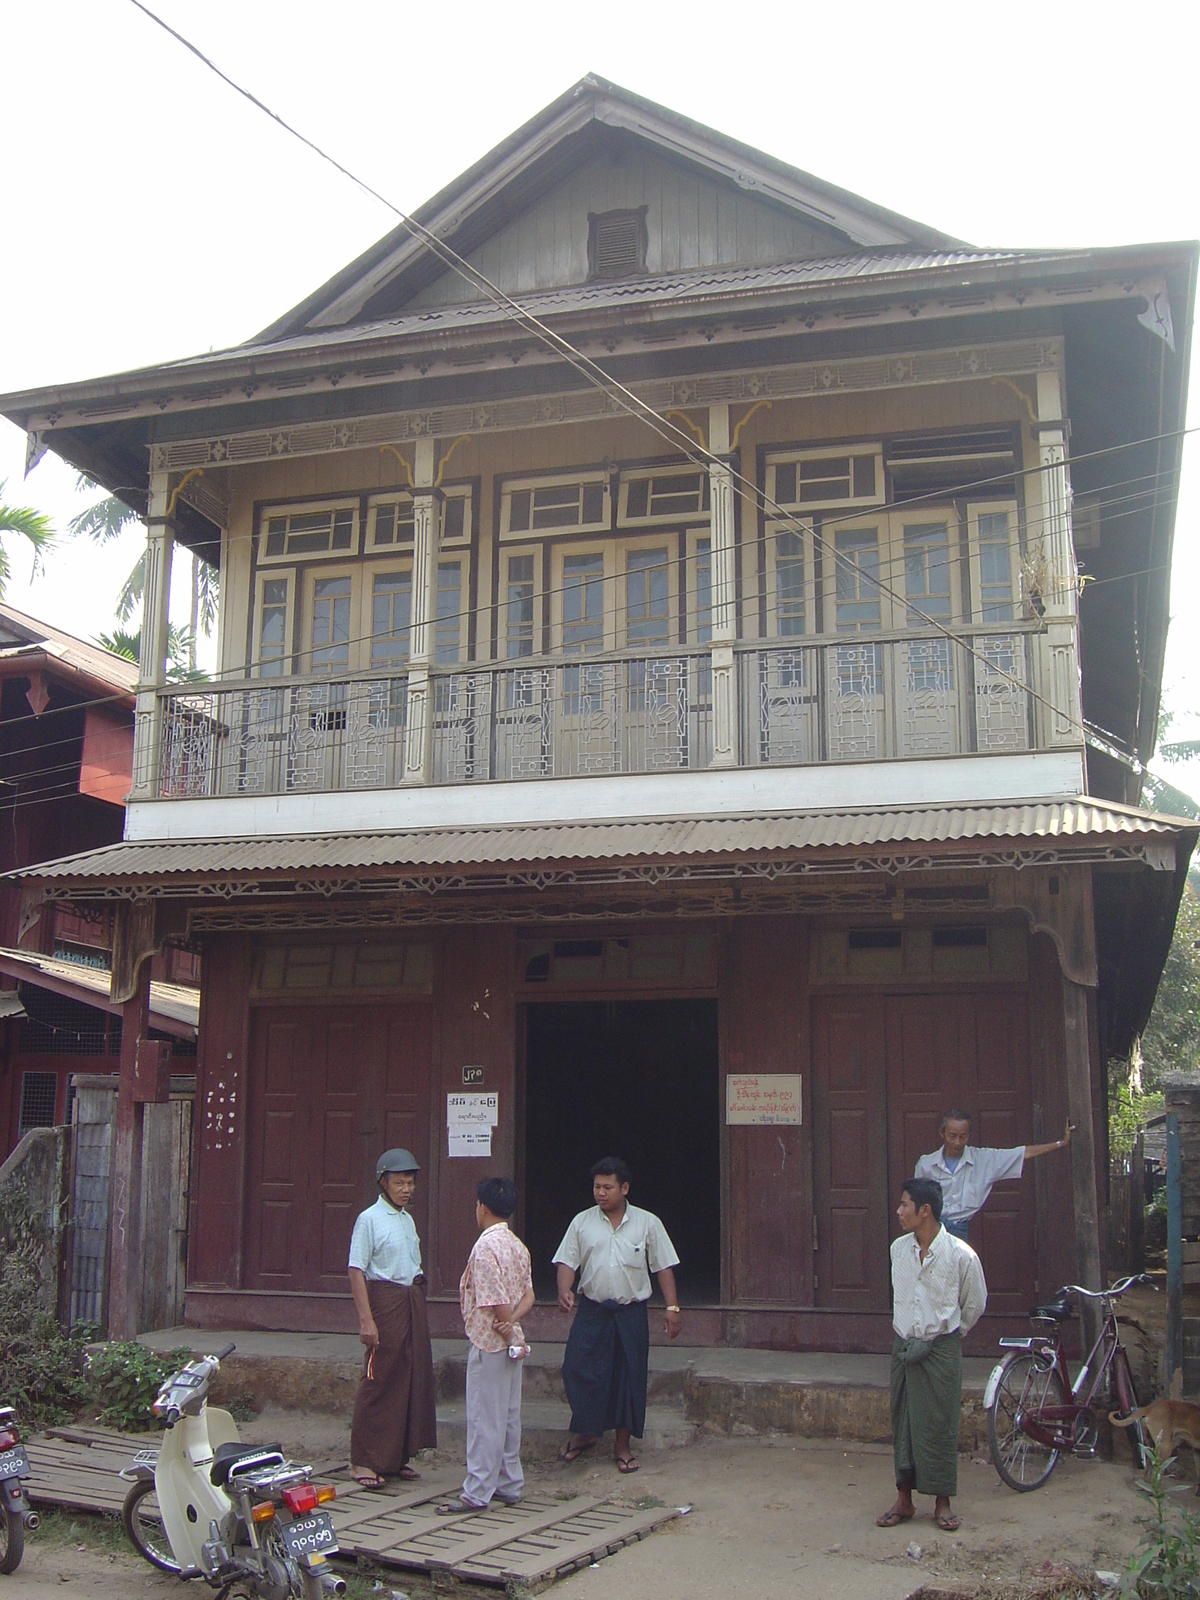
495,1293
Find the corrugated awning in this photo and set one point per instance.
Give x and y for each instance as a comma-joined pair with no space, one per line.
174,1008
1076,830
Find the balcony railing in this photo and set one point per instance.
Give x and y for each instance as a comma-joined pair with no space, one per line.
861,698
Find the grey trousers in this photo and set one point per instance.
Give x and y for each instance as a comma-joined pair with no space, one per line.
493,1427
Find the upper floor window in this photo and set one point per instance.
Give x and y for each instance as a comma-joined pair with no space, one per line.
824,478
551,505
306,531
995,558
520,595
673,494
390,520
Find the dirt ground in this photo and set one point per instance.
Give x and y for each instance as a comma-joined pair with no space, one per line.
768,1518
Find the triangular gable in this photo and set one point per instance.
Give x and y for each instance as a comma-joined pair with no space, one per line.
584,128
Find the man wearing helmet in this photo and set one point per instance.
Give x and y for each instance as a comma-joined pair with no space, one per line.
394,1409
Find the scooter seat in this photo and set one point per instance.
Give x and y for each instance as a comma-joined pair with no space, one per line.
227,1456
1054,1311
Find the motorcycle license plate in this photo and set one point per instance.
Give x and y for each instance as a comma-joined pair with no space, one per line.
14,1463
310,1536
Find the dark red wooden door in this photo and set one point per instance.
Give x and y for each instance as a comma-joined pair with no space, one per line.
850,1191
330,1088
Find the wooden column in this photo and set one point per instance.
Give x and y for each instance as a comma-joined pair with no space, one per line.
724,593
427,519
1083,1147
1061,664
125,1190
152,664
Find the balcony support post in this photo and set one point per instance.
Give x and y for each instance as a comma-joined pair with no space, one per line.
724,592
1061,582
152,662
427,528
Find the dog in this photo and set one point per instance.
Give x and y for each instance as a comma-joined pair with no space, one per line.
1169,1423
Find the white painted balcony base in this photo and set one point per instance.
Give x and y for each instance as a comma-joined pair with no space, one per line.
1048,775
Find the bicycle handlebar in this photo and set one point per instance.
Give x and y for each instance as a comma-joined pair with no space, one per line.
1121,1286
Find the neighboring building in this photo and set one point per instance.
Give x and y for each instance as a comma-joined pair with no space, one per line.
66,758
605,761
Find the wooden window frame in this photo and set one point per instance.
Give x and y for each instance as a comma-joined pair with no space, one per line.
309,577
620,599
805,508
549,481
372,571
517,552
303,508
976,509
805,529
692,541
274,575
662,519
403,497
562,552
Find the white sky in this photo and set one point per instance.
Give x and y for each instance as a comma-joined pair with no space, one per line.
150,213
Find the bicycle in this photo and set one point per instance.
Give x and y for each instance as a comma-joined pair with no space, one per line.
1035,1412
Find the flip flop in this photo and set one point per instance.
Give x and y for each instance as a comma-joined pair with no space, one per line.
368,1480
458,1508
948,1521
893,1519
408,1473
572,1452
627,1463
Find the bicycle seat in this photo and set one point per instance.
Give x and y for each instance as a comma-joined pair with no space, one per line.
1054,1311
226,1457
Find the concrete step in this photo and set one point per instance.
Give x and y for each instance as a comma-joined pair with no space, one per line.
546,1424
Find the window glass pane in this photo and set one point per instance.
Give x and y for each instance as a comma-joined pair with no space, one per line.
556,505
454,517
593,502
789,583
448,629
856,587
647,597
703,591
331,625
827,479
518,510
343,527
272,635
864,476
927,571
583,603
518,617
785,483
995,568
637,498
276,535
391,614
385,524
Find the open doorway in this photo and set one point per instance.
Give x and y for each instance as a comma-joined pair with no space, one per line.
631,1078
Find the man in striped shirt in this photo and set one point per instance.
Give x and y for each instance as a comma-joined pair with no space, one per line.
938,1295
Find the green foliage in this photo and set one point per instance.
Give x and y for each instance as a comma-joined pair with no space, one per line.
1166,1565
1171,1042
43,1365
124,1378
1127,1112
180,649
30,524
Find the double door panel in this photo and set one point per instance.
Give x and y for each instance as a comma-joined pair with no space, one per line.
885,1070
330,1088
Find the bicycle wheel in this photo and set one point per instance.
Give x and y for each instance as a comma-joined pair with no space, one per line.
1025,1386
12,1540
1127,1401
143,1523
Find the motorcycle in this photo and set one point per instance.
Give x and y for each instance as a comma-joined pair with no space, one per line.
206,1506
18,1514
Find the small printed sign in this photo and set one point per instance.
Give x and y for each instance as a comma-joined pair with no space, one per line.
758,1099
473,1110
472,1074
469,1141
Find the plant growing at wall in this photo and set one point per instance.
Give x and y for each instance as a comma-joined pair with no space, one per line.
124,1377
43,1365
1166,1566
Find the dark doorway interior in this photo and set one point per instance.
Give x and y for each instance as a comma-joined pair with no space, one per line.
633,1078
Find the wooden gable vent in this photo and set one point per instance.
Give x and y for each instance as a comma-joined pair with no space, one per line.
617,243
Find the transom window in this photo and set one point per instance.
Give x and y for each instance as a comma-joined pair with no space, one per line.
672,495
554,505
810,478
308,531
390,522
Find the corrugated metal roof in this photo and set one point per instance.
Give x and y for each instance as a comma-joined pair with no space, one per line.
80,654
175,1001
1084,821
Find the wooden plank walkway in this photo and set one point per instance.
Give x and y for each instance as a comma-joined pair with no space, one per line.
542,1538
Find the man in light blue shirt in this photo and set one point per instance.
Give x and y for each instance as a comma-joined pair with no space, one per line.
394,1408
966,1172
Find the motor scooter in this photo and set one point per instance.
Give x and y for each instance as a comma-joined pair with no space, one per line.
206,1506
18,1515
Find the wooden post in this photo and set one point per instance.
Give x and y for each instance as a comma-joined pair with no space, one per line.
152,666
1174,1250
418,715
724,593
1137,1205
1083,1150
125,1211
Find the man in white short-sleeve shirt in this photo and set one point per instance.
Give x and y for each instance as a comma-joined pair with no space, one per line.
615,1248
967,1172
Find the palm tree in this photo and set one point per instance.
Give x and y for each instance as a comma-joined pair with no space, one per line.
32,525
180,647
104,521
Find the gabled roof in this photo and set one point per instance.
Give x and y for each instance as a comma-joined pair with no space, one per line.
26,642
568,131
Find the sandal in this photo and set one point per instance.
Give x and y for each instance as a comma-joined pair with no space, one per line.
409,1474
893,1519
458,1507
627,1464
572,1452
367,1480
948,1521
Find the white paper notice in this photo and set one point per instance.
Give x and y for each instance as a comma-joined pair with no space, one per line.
470,1141
473,1110
762,1099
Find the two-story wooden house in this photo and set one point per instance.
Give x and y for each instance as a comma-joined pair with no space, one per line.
656,689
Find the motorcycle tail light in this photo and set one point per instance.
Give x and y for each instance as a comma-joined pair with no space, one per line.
263,1512
8,1438
301,1499
325,1493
